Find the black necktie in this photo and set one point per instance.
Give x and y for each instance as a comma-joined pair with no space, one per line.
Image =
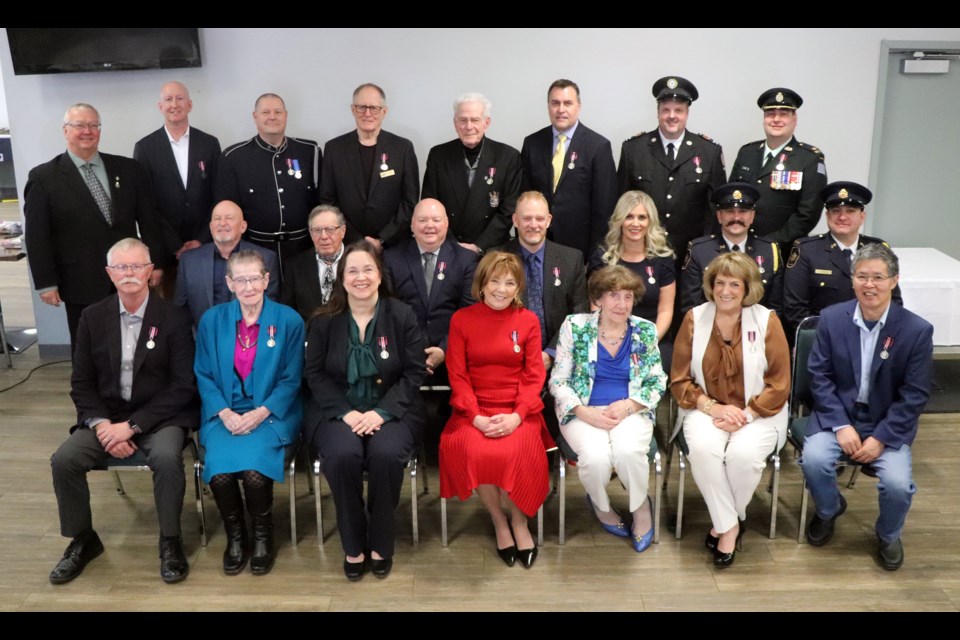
848,254
670,158
735,248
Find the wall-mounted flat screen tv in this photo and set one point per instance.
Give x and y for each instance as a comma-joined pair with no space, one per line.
35,51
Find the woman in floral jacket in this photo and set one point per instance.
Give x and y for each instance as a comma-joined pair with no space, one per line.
606,381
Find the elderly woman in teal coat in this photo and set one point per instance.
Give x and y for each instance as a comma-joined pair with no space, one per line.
606,382
249,365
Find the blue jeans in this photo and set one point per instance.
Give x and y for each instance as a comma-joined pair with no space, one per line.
820,454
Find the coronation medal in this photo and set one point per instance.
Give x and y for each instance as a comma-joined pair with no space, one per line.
383,162
440,269
696,161
752,337
382,341
271,331
556,276
780,161
203,170
650,277
289,167
153,334
760,263
492,171
515,336
886,346
573,161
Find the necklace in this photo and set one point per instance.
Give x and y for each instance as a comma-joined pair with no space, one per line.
250,339
610,341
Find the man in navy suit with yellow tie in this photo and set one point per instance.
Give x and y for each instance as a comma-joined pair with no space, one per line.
870,371
573,167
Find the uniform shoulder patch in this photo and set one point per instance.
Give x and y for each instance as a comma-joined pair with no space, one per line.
794,256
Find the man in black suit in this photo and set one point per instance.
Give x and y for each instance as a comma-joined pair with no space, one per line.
182,163
475,178
134,389
679,169
274,178
433,275
76,207
309,277
573,167
555,275
789,174
371,174
201,277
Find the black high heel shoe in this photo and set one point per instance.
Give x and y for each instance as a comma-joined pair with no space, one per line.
508,555
528,556
723,559
711,542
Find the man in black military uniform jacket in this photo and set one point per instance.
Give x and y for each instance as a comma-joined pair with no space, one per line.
477,179
274,179
679,169
818,271
735,213
371,174
789,174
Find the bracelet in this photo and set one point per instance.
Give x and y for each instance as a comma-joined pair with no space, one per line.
708,405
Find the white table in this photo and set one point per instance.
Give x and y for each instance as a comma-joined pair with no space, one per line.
930,284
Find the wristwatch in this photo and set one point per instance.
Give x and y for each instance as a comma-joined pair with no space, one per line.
134,427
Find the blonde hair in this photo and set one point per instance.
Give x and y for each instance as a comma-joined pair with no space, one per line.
655,239
495,263
734,265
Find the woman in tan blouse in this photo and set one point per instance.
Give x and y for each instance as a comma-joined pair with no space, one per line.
731,378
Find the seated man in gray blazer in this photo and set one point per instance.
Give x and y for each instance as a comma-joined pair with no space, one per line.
201,277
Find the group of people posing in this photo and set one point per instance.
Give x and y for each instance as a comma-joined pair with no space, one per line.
541,286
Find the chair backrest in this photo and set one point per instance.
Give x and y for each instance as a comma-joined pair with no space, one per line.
801,398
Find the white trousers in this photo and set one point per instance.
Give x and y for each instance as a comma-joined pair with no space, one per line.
727,466
599,452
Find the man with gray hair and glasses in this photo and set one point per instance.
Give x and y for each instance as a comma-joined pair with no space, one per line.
308,278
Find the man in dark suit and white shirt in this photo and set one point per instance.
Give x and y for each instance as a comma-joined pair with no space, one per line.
309,277
475,178
433,274
182,163
870,376
371,174
573,167
201,276
76,207
134,389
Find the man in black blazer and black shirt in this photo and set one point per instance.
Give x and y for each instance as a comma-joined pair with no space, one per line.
477,179
573,167
308,278
371,174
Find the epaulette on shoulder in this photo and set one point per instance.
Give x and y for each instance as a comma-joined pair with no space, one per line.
708,138
236,146
312,143
810,238
810,147
635,136
703,239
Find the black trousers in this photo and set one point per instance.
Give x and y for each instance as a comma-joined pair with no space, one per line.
81,452
383,455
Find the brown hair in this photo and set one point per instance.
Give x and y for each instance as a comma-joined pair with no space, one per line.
563,83
495,263
338,297
614,278
734,265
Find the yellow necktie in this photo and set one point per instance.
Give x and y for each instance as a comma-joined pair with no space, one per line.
558,159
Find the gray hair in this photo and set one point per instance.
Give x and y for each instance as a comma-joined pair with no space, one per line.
323,208
370,85
77,107
126,245
473,96
246,255
256,105
878,251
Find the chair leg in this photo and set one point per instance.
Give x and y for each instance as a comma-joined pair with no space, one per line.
854,472
802,525
116,479
292,479
540,526
3,342
422,460
316,494
413,500
682,463
443,522
197,484
658,493
774,494
562,486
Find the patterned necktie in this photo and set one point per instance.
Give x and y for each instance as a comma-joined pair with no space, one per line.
670,157
429,266
326,287
97,191
558,159
535,292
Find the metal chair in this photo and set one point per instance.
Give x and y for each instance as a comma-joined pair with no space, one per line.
569,457
289,463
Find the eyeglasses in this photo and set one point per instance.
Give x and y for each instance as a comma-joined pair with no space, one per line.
373,109
863,278
128,268
84,126
242,283
319,231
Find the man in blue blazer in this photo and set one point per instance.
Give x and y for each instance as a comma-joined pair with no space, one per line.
573,167
201,276
870,371
449,267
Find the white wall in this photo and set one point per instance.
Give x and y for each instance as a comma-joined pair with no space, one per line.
423,70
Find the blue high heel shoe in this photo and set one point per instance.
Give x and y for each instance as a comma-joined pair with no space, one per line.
640,543
620,529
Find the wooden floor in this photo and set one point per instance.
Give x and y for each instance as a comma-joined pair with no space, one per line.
593,571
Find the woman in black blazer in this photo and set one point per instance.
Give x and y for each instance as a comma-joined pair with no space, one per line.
364,367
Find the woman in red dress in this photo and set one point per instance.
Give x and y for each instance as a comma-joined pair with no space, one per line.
495,440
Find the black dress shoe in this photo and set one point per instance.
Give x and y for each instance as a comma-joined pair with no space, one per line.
528,556
711,542
354,570
891,555
80,551
820,530
508,555
173,562
381,568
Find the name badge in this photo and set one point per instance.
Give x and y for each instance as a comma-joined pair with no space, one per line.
387,174
823,272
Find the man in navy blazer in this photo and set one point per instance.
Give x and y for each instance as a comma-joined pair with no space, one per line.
573,167
182,163
870,373
201,276
450,267
371,174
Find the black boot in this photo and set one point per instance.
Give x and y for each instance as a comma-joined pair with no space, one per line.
259,492
227,494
